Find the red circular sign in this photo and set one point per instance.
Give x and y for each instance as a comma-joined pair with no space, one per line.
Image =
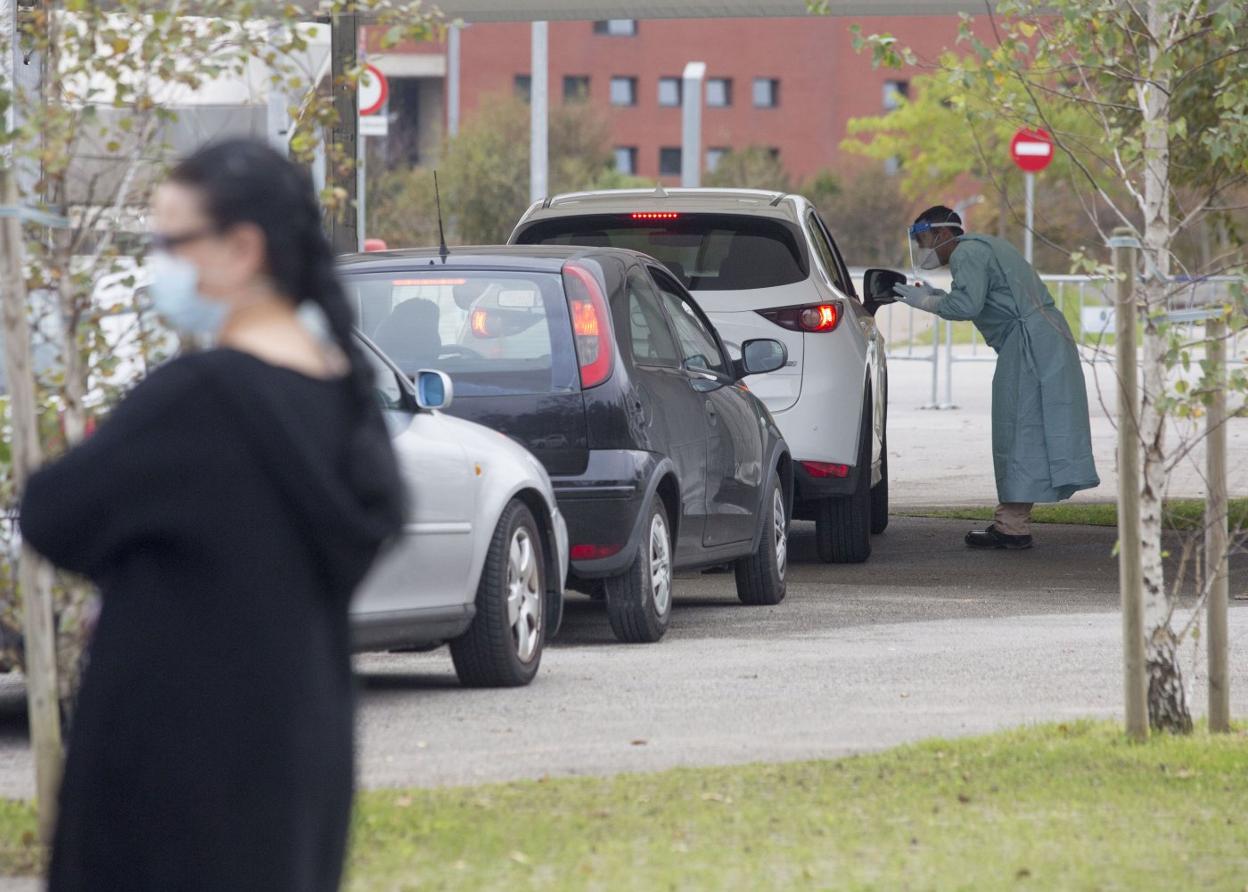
374,90
1032,150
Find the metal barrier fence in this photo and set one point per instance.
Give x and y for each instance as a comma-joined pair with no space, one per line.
1086,302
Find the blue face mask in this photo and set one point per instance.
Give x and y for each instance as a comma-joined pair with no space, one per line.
176,297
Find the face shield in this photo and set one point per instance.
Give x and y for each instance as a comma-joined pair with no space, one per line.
927,258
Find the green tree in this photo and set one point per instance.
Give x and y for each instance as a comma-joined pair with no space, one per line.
754,167
868,215
484,175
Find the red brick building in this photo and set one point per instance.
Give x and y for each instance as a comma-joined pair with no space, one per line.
790,85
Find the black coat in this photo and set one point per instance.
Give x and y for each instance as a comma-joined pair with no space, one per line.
226,515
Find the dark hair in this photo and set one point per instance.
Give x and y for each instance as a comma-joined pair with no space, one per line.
940,214
247,181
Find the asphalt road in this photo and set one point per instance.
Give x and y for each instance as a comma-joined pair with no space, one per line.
926,639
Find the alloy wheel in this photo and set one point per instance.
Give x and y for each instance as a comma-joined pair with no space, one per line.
524,595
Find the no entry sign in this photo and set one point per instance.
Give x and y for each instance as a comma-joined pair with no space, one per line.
373,90
1032,150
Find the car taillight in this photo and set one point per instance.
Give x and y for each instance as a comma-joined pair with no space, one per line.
814,318
654,215
589,325
825,469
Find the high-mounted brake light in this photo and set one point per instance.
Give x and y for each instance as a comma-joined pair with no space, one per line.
655,215
430,282
589,325
815,318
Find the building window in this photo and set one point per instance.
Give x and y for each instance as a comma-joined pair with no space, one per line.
623,91
719,92
766,92
670,91
524,87
616,27
626,159
669,162
714,156
894,93
575,87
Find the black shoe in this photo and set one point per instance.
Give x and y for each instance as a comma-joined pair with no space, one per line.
991,538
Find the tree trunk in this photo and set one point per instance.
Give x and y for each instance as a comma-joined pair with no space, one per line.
1167,699
34,574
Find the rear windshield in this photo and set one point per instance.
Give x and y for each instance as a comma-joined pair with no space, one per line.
494,333
707,252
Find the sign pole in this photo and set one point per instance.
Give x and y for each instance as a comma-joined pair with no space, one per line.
1029,237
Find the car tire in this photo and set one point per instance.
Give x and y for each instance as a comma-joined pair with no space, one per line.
503,646
760,576
639,601
879,492
843,524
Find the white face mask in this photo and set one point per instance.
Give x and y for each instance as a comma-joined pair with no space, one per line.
176,297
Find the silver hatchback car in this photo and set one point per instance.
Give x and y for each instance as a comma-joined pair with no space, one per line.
483,557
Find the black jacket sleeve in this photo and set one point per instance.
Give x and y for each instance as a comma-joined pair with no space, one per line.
121,485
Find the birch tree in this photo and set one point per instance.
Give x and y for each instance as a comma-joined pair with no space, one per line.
98,132
1148,101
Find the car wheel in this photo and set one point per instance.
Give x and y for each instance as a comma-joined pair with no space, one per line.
639,601
843,524
879,492
503,646
760,576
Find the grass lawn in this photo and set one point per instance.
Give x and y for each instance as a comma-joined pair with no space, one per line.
1181,514
1070,806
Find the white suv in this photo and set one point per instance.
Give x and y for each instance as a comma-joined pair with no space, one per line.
764,265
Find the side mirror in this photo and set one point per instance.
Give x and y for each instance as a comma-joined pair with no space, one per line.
434,389
760,356
877,285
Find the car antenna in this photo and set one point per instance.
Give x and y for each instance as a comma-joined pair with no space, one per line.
443,251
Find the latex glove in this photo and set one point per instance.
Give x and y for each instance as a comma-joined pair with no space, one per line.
922,297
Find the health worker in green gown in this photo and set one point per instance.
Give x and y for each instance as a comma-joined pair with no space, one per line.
1041,437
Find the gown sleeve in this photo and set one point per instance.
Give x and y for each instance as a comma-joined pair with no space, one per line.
121,485
969,265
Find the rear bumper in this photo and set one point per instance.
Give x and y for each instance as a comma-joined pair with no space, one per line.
602,508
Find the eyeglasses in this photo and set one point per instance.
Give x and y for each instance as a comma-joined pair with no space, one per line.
159,241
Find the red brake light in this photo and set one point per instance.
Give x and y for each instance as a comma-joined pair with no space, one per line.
593,552
825,469
655,215
589,325
814,318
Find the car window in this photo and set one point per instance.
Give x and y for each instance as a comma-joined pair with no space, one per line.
386,388
705,252
496,333
848,287
826,255
698,344
652,341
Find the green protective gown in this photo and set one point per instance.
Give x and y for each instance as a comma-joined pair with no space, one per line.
1041,435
